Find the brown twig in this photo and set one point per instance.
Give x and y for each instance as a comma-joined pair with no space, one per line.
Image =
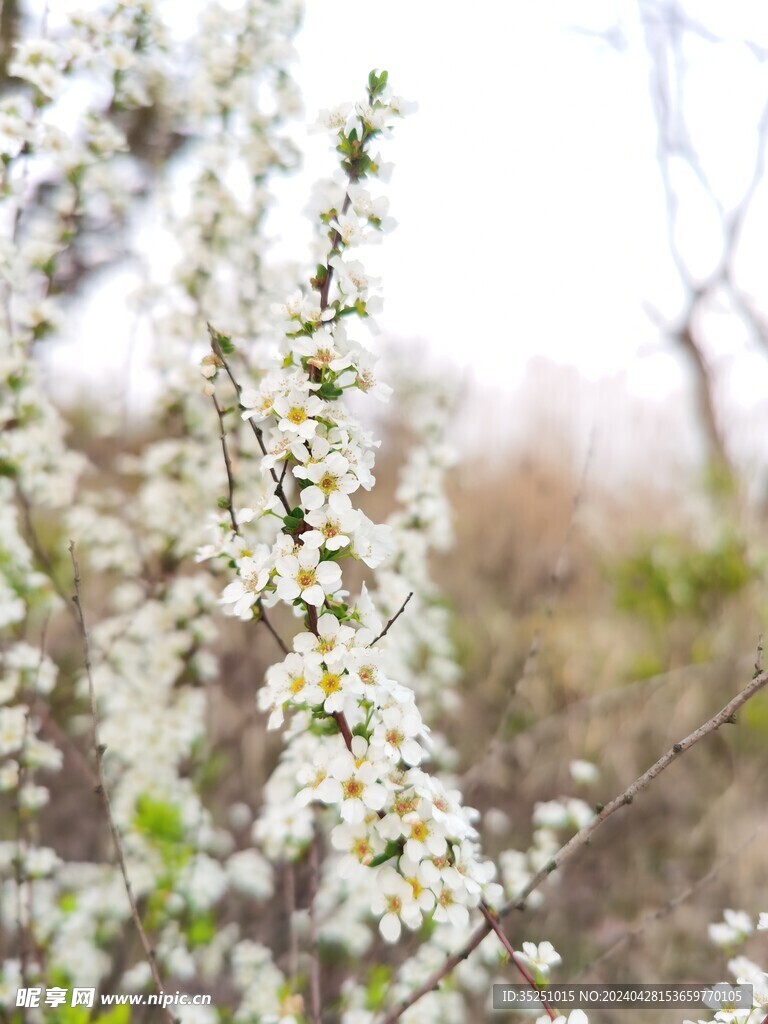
392,621
278,639
231,507
218,352
725,716
103,792
335,239
227,464
493,922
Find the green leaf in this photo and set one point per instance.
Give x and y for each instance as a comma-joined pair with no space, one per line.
224,341
294,520
120,1014
200,930
158,820
393,849
377,986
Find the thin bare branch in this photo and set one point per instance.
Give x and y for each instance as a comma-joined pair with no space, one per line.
218,352
24,914
278,639
227,464
392,621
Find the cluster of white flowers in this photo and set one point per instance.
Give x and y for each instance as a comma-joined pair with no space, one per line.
369,737
736,928
90,95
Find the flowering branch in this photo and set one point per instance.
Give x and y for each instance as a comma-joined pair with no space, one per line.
103,792
493,922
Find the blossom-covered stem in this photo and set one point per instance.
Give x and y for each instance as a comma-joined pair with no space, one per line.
219,353
227,464
103,792
392,621
314,884
233,516
335,239
726,716
493,923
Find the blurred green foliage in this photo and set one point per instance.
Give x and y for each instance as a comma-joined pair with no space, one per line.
667,578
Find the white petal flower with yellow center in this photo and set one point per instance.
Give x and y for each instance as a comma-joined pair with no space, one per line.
259,404
331,483
313,777
358,844
358,789
297,410
396,732
451,905
330,528
394,901
352,277
292,680
329,644
425,836
320,350
304,576
241,595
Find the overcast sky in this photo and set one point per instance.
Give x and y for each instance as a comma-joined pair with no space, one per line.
530,208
